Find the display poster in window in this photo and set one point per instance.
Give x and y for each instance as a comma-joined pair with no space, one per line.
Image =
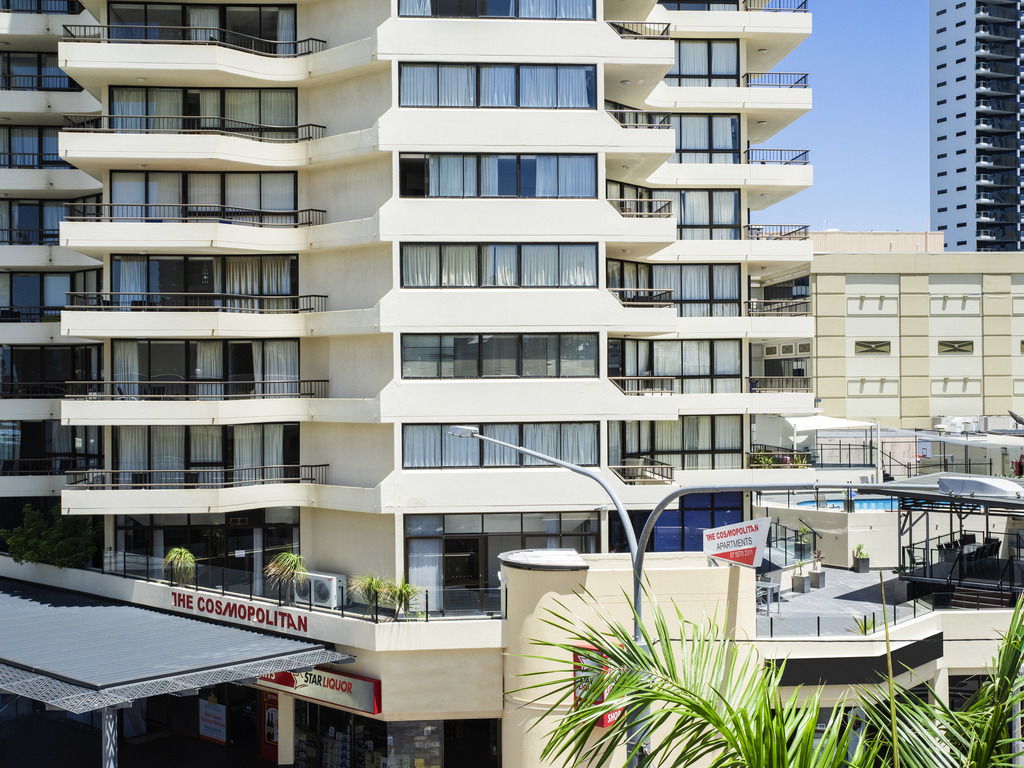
584,672
213,720
740,543
269,719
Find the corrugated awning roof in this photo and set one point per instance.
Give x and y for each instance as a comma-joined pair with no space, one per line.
80,653
993,495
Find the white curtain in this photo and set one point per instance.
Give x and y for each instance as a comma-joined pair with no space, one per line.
426,557
697,437
577,176
537,9
286,31
273,451
575,9
724,61
421,445
248,443
500,265
668,361
728,437
578,264
277,193
728,362
257,367
697,363
498,85
691,134
547,176
132,280
165,109
126,367
456,85
579,443
451,176
497,455
543,438
281,366
726,289
277,281
726,207
576,89
242,279
578,354
420,266
614,444
204,20
726,135
168,444
132,451
458,266
209,365
242,104
418,87
414,7
458,451
277,108
538,86
206,447
694,290
540,265
128,194
691,59
129,106
210,111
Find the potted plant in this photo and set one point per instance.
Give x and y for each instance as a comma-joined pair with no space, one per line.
801,583
371,589
181,564
817,574
402,595
861,560
286,570
901,588
761,460
801,460
803,543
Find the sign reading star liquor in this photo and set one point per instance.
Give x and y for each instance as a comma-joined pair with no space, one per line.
323,686
742,543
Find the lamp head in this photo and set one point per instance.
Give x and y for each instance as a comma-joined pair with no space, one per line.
463,431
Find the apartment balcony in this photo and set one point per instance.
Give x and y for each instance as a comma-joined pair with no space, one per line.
995,13
668,385
994,51
42,106
996,32
991,197
999,162
767,175
97,228
180,56
994,87
990,143
995,69
995,125
996,235
43,177
194,491
998,216
997,180
996,106
28,25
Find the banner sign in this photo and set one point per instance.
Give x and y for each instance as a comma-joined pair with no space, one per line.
213,720
742,543
584,674
322,686
240,610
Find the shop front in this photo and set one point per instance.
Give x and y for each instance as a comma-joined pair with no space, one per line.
338,724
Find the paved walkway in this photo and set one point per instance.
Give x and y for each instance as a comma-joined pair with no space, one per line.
833,609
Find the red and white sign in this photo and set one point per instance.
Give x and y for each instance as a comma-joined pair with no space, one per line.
742,543
584,673
213,720
239,610
322,686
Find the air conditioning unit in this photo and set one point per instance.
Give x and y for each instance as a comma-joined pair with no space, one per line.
328,590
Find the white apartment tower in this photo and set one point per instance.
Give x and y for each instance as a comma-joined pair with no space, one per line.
974,119
325,232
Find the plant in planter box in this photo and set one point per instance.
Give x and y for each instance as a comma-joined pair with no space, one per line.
801,460
371,589
803,542
761,460
861,560
801,583
901,588
402,594
285,571
817,575
181,564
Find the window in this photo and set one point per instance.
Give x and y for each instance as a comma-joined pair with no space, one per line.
33,72
31,222
943,156
686,367
705,63
961,207
138,195
961,151
255,28
681,526
872,347
267,113
498,85
941,228
706,139
690,442
941,120
941,173
956,347
941,66
49,447
697,290
32,371
23,146
700,5
429,446
33,297
499,265
961,225
940,30
961,97
500,9
499,355
523,176
940,102
942,210
704,214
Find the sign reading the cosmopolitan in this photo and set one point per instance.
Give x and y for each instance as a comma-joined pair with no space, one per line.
323,686
239,610
742,543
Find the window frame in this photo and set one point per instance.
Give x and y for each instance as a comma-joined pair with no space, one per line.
480,356
477,81
481,256
520,458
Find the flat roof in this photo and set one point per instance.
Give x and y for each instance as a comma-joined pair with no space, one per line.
81,653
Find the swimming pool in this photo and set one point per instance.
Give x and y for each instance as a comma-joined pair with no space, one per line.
859,504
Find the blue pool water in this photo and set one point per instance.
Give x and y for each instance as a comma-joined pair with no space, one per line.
860,504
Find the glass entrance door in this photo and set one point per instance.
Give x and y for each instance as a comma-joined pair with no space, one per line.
463,576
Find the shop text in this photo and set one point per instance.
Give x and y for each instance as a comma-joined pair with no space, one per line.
239,611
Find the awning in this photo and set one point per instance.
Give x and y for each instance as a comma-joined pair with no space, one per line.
79,653
812,423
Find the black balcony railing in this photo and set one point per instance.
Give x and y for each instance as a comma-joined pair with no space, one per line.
225,214
778,156
285,134
787,308
641,209
777,231
201,477
779,384
36,389
643,470
645,385
224,38
28,236
55,7
31,160
638,118
194,302
791,6
30,314
775,80
643,297
38,83
640,30
195,390
55,465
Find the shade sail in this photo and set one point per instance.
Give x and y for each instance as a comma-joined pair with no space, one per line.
812,423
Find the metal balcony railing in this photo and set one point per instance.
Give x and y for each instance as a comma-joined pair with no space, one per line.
54,7
642,470
24,314
775,80
225,214
31,160
996,143
644,385
224,38
779,384
778,156
196,390
633,208
641,30
997,31
996,12
28,236
198,477
1006,106
38,83
770,457
638,118
193,302
55,465
787,308
284,134
643,297
776,232
35,389
778,6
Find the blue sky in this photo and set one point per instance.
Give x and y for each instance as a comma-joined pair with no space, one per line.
868,129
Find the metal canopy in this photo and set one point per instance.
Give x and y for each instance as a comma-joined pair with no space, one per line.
924,491
79,653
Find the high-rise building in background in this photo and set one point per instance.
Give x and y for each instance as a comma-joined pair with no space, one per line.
974,123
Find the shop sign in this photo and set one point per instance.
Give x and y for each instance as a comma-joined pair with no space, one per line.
213,720
268,742
242,611
584,673
742,543
322,686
